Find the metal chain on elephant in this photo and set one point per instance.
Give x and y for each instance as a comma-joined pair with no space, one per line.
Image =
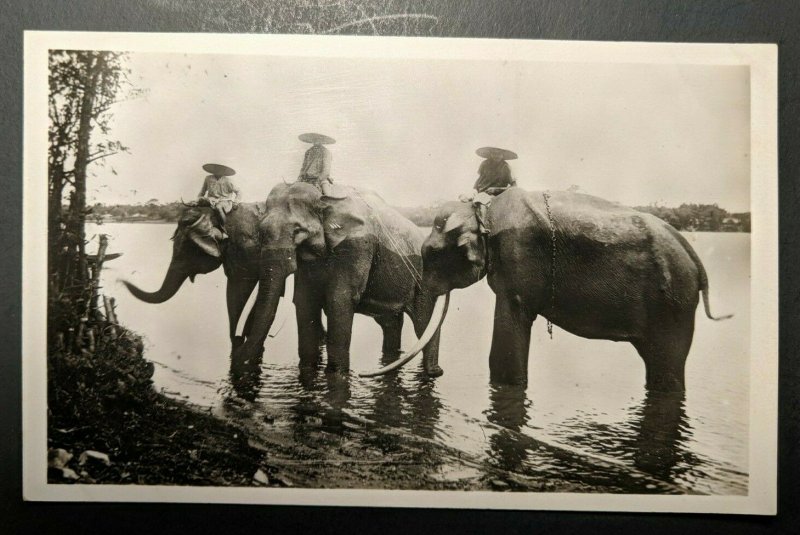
546,197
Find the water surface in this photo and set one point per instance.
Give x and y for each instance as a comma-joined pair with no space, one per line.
585,406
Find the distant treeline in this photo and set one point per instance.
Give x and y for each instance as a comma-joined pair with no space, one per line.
151,211
689,217
700,217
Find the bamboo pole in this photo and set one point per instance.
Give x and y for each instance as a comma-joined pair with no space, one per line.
92,303
111,316
109,305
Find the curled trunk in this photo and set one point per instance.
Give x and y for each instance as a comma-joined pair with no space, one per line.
172,283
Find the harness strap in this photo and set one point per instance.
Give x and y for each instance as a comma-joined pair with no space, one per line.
483,228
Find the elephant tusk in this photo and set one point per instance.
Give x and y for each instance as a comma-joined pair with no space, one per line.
247,309
437,317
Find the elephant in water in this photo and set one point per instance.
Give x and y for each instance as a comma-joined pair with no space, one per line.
594,268
348,255
198,248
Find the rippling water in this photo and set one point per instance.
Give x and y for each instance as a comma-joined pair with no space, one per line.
584,416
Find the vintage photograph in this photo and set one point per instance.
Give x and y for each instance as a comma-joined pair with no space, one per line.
299,265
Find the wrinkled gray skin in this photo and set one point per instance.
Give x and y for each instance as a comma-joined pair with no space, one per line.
196,250
620,275
351,255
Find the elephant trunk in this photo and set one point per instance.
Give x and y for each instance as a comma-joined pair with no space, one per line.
172,282
270,290
437,317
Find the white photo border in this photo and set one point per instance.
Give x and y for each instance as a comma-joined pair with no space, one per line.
762,62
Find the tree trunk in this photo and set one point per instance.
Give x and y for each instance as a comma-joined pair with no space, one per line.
93,69
54,226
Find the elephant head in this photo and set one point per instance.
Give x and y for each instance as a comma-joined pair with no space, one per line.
455,253
300,223
303,225
195,250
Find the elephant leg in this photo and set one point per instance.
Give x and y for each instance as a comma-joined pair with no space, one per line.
421,315
339,311
511,340
664,352
348,270
237,292
308,299
310,332
392,326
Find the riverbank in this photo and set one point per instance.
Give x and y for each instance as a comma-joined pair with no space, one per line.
103,401
107,425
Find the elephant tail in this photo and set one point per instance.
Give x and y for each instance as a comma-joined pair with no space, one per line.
701,271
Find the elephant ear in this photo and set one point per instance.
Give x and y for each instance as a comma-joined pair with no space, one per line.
455,221
341,219
205,235
466,238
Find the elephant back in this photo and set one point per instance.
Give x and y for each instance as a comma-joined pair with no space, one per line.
391,229
575,216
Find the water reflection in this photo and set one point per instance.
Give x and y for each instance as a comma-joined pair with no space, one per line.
652,438
661,430
329,389
704,448
337,391
425,405
508,407
416,408
320,399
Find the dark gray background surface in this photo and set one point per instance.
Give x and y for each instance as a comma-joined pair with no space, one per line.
607,20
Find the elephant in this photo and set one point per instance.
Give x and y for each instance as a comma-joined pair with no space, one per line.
592,267
198,248
350,254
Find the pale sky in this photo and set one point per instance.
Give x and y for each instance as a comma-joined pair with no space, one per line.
631,133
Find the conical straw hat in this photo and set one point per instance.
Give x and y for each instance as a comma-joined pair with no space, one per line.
218,169
316,138
494,152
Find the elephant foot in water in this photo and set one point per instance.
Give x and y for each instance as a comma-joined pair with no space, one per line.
434,370
243,353
309,362
307,374
245,378
664,382
338,361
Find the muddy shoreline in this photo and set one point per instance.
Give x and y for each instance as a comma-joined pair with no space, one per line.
152,439
107,425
